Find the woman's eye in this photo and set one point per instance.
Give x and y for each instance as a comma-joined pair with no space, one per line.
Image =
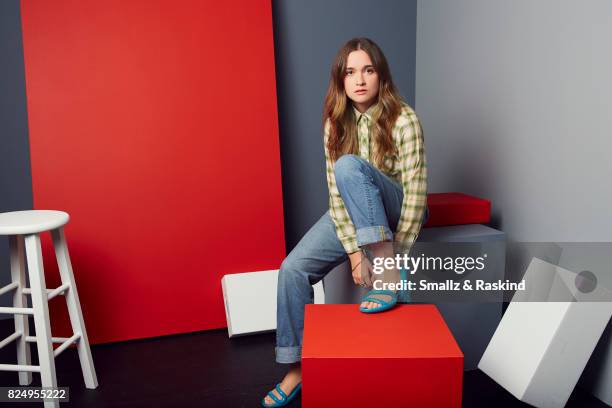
370,71
349,73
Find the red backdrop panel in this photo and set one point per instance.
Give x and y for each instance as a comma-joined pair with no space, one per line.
153,123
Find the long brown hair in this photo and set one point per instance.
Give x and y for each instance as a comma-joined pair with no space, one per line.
338,107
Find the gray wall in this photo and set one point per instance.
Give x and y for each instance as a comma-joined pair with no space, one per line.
307,35
514,97
15,178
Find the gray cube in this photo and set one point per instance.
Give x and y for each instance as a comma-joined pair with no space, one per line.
472,323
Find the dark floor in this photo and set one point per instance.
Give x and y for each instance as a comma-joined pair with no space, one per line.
205,369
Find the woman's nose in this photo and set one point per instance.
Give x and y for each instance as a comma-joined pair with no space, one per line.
360,79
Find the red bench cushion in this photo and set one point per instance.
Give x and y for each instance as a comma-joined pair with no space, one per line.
457,209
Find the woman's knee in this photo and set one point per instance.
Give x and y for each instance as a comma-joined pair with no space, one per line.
290,271
347,166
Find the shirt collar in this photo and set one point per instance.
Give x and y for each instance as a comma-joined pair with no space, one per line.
367,114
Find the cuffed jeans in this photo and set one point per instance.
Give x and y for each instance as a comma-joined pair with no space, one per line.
374,202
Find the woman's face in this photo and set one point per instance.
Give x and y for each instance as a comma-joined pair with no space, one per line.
361,80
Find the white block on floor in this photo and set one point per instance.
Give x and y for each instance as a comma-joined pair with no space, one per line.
540,348
250,301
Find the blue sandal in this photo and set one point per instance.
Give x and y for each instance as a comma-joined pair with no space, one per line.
284,400
384,305
403,296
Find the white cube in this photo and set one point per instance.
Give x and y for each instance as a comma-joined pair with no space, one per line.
250,301
540,348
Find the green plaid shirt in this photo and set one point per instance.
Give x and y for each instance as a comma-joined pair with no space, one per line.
409,168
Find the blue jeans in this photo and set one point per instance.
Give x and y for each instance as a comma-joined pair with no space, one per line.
374,202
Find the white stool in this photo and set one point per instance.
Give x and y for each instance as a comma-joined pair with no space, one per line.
25,226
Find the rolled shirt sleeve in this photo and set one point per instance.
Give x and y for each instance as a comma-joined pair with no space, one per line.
413,167
345,229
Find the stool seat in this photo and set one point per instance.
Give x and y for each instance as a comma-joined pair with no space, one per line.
31,221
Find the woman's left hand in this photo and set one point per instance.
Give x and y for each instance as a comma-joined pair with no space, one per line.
361,269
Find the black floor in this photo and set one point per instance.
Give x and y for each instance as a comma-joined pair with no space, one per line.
205,369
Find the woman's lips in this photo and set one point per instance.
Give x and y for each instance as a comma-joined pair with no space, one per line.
361,91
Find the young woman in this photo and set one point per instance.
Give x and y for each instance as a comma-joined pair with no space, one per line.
377,180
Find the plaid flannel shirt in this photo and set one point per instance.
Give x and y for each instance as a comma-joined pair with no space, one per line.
409,168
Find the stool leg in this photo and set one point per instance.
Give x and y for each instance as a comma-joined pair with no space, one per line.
24,356
74,307
40,305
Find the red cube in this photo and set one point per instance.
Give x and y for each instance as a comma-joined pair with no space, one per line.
457,209
404,357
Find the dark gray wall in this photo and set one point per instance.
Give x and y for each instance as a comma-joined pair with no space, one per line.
15,178
307,35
